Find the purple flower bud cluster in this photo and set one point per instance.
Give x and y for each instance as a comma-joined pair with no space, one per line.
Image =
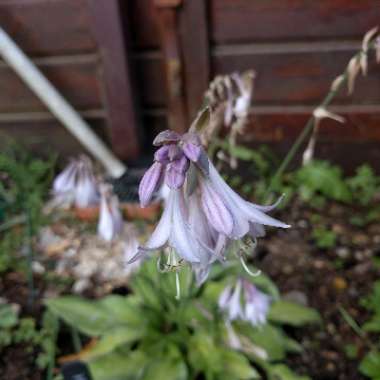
171,163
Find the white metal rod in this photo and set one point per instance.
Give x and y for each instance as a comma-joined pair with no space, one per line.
58,105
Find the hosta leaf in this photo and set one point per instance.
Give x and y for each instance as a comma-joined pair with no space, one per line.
282,372
118,366
270,339
111,340
96,317
236,366
292,314
166,368
203,353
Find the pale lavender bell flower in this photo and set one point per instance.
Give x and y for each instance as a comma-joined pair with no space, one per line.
110,218
86,188
198,196
76,184
245,302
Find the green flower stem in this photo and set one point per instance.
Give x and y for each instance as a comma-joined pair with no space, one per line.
310,124
29,236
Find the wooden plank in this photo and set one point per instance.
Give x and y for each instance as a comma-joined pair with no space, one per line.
195,53
48,136
117,77
48,27
286,20
75,78
144,25
281,126
151,79
173,67
285,78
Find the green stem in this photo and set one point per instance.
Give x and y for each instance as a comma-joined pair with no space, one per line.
29,236
76,339
50,369
309,125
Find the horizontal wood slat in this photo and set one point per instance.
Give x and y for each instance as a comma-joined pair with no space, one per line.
359,127
300,78
282,78
48,136
48,27
76,81
273,20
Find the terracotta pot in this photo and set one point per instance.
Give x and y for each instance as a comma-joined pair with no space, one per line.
130,210
134,211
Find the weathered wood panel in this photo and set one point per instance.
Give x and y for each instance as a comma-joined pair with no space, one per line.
282,78
48,136
278,126
240,21
48,27
299,77
74,78
143,24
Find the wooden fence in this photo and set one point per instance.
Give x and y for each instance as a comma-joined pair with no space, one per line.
133,67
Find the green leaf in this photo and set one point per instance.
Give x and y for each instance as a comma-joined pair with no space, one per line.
370,365
118,366
282,372
8,316
324,178
203,353
166,368
292,314
96,317
270,339
373,325
111,340
236,366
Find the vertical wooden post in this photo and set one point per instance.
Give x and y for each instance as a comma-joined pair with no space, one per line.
116,71
169,30
196,52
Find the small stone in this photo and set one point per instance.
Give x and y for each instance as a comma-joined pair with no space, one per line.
339,283
287,269
376,239
360,239
319,264
38,268
338,229
343,252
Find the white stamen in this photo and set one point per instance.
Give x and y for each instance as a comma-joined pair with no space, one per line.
253,274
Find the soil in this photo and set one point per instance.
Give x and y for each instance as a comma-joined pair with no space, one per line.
326,279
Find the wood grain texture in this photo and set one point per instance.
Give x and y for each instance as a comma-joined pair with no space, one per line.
290,20
74,78
143,25
116,76
300,78
48,27
48,136
196,53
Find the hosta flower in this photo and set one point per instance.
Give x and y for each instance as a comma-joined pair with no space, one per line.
110,219
245,302
76,185
86,188
202,214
